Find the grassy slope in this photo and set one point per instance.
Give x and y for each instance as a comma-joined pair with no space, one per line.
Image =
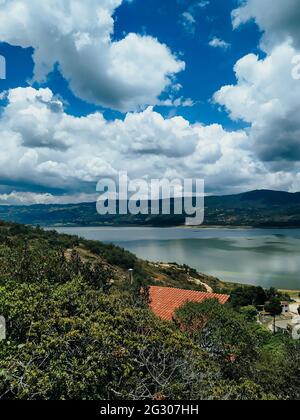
116,258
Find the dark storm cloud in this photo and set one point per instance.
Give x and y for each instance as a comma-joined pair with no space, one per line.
280,139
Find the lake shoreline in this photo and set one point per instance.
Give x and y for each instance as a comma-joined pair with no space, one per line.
238,255
225,227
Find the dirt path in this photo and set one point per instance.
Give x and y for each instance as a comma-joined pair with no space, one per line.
200,283
189,278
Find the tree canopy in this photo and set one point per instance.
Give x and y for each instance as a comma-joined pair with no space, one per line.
77,330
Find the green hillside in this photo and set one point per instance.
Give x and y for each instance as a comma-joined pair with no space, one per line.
77,329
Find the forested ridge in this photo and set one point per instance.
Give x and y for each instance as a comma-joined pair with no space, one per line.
262,208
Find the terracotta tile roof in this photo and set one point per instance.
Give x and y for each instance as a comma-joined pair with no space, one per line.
165,300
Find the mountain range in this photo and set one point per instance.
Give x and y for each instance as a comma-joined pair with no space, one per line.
260,208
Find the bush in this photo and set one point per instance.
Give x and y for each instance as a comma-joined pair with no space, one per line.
223,333
249,312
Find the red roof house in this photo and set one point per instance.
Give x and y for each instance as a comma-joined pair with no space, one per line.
164,301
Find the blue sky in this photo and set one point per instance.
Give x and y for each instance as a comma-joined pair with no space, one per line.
207,68
81,77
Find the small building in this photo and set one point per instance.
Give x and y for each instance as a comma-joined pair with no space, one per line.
285,307
164,301
295,328
281,326
287,326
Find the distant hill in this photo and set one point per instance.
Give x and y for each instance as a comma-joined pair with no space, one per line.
261,208
254,199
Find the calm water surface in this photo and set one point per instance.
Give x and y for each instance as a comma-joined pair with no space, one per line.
266,257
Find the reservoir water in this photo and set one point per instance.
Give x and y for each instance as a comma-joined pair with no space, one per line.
266,257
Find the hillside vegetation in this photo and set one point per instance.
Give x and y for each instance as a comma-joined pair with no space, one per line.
77,329
256,208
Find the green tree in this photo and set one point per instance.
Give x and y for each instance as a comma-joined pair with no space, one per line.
249,312
223,333
273,307
246,296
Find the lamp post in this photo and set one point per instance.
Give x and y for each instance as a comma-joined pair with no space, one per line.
2,328
130,275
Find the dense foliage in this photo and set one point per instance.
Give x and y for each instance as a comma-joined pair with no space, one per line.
77,330
256,296
244,349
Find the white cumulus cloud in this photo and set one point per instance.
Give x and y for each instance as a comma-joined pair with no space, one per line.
279,19
266,94
77,35
70,154
219,43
